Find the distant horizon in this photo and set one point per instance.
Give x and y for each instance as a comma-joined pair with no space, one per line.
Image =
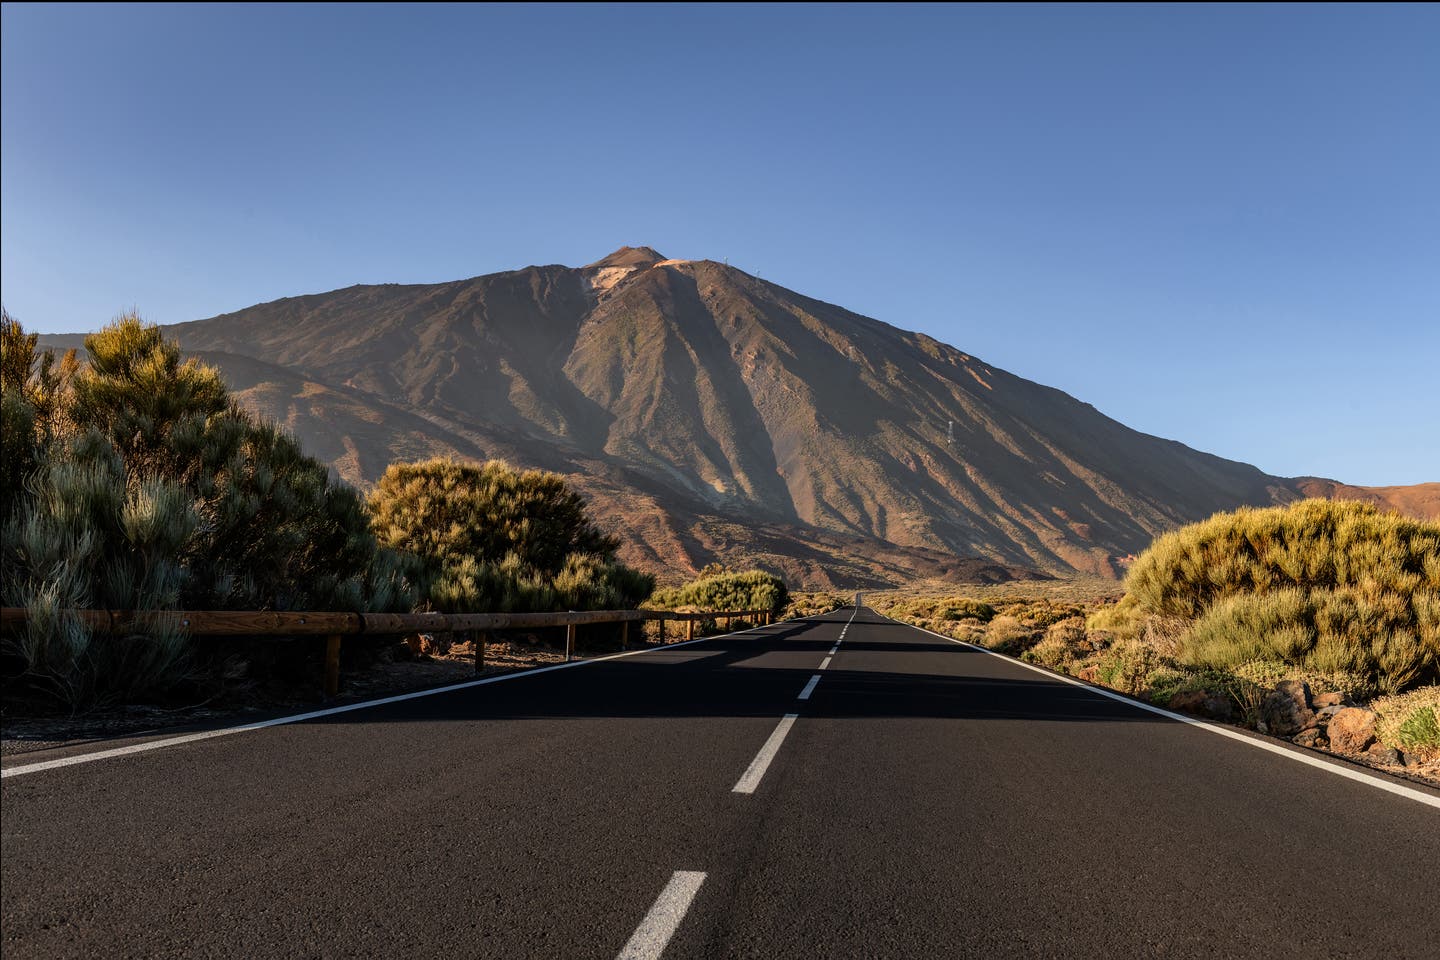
1217,226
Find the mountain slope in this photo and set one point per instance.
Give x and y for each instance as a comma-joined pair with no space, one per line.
688,396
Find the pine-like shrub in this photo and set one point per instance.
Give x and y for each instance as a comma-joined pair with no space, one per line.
144,487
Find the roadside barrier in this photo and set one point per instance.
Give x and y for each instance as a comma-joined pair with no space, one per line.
336,626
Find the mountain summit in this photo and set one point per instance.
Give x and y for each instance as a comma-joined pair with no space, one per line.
711,415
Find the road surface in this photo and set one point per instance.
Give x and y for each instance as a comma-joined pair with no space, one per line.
923,799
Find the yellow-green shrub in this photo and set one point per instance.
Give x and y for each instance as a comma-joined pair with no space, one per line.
1322,585
744,590
1410,722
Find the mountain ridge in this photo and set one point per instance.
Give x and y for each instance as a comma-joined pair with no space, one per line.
686,396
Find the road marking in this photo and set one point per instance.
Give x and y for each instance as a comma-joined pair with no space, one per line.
809,688
825,664
833,649
1293,754
649,939
751,778
15,771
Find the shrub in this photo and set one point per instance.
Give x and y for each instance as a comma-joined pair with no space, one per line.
144,487
813,604
1324,586
489,537
1311,545
745,590
959,608
1410,722
1127,666
1051,651
1008,635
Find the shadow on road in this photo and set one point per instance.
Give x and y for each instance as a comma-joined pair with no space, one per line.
760,675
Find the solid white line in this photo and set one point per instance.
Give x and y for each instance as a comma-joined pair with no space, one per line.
751,778
649,939
15,771
1293,754
825,664
809,688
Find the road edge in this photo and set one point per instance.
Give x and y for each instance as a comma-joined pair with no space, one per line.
1374,779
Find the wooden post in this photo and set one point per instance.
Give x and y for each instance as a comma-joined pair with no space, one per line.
479,637
624,634
689,628
332,665
662,629
569,641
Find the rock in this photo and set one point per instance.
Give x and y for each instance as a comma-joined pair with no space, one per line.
1188,702
1285,710
1218,708
1325,713
1412,761
1383,754
1322,700
1088,674
1351,730
1308,738
1204,703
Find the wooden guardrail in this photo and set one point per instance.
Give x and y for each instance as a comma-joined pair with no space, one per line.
336,626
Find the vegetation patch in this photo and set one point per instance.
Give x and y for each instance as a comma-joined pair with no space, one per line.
719,589
492,538
1410,722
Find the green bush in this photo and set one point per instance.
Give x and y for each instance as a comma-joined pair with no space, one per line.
489,537
746,590
142,486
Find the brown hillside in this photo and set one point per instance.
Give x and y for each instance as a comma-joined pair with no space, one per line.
710,414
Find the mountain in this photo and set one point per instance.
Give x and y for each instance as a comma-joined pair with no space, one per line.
709,414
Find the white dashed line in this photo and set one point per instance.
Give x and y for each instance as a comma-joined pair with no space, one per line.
809,688
751,778
825,664
649,939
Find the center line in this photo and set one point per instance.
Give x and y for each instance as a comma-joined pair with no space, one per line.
649,939
809,688
825,664
751,778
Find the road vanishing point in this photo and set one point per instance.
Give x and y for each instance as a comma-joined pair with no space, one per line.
833,787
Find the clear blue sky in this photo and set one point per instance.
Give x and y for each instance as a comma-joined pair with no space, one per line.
1219,224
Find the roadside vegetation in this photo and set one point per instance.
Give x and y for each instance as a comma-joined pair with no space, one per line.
718,588
814,603
1278,619
489,537
131,480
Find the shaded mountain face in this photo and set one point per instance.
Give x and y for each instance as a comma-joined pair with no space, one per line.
711,415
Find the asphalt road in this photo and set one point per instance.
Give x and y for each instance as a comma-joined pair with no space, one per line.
925,800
